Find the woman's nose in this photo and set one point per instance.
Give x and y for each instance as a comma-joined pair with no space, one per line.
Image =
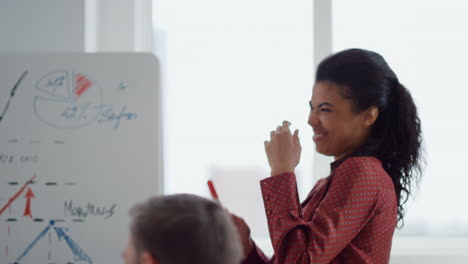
313,119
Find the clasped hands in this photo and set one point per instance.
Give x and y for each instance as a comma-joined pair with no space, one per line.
283,149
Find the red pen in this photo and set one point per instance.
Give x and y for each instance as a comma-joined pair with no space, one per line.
212,190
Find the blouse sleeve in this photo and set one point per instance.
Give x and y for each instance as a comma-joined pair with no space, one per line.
256,256
348,205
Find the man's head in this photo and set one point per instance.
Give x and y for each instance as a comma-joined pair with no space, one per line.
181,228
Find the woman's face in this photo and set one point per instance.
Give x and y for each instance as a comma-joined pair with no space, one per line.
338,130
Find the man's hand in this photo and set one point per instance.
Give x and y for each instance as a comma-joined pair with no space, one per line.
244,233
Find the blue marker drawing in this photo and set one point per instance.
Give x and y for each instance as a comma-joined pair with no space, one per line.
50,243
71,100
107,114
56,84
43,233
62,92
78,253
60,114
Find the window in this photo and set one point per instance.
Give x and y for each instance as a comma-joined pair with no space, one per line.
425,44
233,71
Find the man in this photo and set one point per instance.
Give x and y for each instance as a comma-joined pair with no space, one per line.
181,229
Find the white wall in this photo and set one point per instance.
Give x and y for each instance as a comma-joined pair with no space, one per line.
75,26
44,26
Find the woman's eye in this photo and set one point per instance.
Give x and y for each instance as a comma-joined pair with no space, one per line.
325,110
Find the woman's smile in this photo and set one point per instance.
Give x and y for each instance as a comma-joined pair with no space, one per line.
319,134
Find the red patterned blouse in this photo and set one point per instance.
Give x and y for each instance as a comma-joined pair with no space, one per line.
348,217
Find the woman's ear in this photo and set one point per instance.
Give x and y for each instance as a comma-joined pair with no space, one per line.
370,115
146,258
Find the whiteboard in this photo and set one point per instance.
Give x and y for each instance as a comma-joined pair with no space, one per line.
79,145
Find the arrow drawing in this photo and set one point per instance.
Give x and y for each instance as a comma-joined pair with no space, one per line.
12,199
78,253
29,195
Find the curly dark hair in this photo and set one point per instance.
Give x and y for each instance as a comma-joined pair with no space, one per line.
395,137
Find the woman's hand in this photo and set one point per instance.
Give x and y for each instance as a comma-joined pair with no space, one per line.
283,150
244,233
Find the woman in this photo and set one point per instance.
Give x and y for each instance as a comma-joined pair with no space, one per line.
363,117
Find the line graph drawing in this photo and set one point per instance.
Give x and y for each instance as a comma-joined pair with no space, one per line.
12,94
56,233
20,191
61,232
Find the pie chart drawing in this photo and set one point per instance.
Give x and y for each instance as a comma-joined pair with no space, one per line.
67,99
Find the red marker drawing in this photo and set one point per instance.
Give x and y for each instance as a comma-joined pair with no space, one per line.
212,190
82,84
27,210
12,199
